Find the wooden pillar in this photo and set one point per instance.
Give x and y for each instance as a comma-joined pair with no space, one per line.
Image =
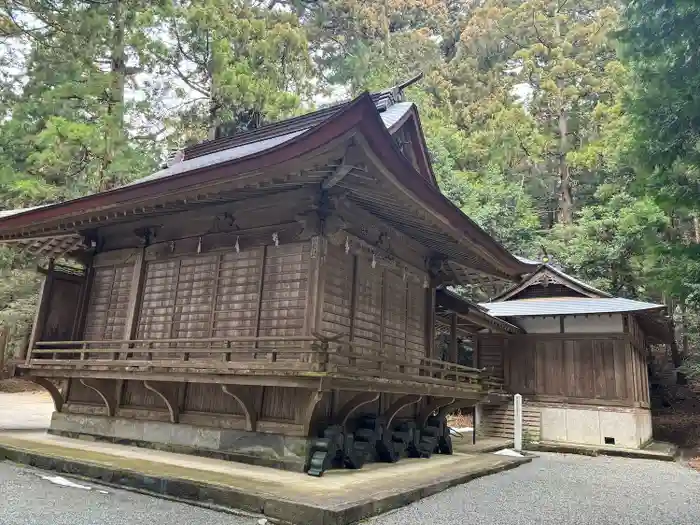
84,301
135,293
453,338
430,321
41,311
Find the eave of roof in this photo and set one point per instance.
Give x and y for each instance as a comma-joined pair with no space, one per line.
568,280
361,114
568,306
471,313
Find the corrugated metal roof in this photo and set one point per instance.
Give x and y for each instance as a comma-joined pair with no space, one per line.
566,306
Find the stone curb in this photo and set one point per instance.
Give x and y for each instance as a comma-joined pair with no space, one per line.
215,495
594,452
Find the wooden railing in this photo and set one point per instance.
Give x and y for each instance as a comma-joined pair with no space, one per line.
276,354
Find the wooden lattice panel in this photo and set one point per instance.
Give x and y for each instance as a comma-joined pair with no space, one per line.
194,299
394,319
238,294
158,301
203,397
415,320
284,291
108,304
337,297
368,308
281,403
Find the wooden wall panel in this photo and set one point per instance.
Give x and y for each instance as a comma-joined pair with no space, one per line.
336,317
62,309
621,379
571,368
584,385
107,306
238,293
79,393
415,320
194,300
281,403
284,291
203,397
394,318
138,396
367,326
498,421
178,298
158,301
490,354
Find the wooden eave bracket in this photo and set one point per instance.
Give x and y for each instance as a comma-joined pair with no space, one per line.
171,404
399,405
245,403
353,404
55,393
109,405
434,404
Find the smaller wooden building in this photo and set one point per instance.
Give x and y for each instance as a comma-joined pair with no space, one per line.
581,363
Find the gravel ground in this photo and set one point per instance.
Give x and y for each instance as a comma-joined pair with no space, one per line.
27,499
566,490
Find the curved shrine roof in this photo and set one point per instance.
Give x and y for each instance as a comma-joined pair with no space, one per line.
228,162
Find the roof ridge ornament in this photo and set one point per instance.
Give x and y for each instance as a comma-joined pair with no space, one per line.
175,158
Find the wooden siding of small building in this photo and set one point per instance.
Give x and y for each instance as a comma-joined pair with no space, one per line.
499,421
574,368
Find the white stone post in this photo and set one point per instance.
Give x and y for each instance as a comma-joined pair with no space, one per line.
518,423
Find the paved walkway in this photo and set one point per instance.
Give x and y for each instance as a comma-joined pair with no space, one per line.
25,411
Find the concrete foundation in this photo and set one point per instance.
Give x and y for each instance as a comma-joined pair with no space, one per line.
595,425
257,448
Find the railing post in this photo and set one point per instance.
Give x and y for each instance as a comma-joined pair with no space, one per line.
227,355
518,415
325,358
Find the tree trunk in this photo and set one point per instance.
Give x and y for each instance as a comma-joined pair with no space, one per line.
114,128
566,199
3,349
679,333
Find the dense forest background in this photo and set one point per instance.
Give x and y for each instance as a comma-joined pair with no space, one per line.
566,128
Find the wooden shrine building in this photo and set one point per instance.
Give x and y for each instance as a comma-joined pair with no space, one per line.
580,363
267,297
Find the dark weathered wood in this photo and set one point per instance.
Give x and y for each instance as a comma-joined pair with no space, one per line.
135,294
170,401
574,367
110,405
430,321
246,404
41,312
453,338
